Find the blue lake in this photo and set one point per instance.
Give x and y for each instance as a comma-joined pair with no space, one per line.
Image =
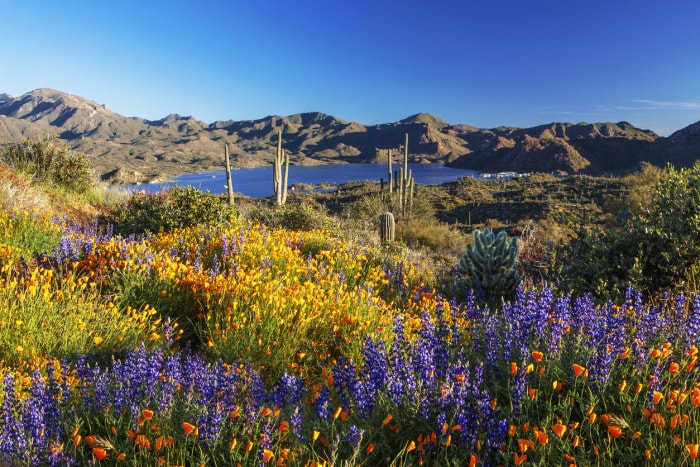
257,182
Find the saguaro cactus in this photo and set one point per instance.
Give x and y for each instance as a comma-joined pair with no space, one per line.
406,182
280,177
490,262
391,175
229,182
387,227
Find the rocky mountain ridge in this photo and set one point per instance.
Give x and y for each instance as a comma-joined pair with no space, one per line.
131,150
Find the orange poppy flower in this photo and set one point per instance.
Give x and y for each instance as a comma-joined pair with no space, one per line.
147,414
579,370
674,367
518,460
537,356
525,444
267,455
411,446
559,428
370,447
657,396
188,427
615,431
99,453
693,450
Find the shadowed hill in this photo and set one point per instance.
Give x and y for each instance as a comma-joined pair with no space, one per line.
130,150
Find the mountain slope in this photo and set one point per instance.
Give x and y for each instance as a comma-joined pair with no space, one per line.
128,149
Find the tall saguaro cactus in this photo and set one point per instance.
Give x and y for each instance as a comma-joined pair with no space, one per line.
406,182
280,175
229,183
490,262
391,175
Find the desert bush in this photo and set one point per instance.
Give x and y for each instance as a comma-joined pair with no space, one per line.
656,250
443,242
165,211
46,160
296,215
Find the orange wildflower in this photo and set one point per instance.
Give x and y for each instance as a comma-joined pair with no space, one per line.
579,370
99,453
693,450
473,460
615,431
525,444
518,460
673,368
513,368
121,457
387,419
411,446
188,427
537,356
370,447
559,428
249,446
147,414
542,437
267,455
657,396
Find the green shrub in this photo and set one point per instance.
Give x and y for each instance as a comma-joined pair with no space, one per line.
165,211
297,215
47,160
656,250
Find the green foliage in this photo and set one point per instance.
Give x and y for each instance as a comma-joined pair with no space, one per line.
48,161
297,216
656,250
489,263
174,208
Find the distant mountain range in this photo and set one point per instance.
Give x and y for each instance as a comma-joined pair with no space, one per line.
132,150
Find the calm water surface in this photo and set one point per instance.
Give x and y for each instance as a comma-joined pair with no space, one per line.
257,182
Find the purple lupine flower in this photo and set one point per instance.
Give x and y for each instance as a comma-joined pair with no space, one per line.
13,438
321,404
354,436
692,328
296,423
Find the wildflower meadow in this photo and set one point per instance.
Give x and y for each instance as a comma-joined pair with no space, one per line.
243,344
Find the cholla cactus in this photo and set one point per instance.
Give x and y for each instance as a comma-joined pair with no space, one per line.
490,262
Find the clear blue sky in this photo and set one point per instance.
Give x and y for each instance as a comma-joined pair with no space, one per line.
484,63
